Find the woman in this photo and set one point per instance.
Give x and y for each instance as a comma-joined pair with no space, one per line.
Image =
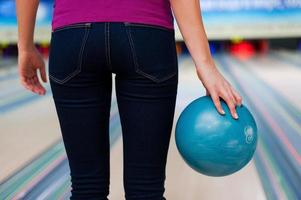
134,39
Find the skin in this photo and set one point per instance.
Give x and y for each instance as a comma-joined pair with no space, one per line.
189,20
190,23
29,59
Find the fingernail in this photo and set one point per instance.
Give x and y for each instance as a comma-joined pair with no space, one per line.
223,112
235,116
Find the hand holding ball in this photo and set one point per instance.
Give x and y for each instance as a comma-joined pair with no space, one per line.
215,144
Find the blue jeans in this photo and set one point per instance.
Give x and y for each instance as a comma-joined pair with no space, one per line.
143,58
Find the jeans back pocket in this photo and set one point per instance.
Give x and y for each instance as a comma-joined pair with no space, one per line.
67,47
154,50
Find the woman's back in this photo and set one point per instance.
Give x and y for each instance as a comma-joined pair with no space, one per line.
82,61
156,12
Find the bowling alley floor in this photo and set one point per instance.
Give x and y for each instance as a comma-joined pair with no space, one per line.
33,163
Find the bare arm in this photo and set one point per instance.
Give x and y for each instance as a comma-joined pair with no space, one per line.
26,15
189,20
29,59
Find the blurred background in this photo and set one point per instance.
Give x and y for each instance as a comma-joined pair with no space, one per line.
256,44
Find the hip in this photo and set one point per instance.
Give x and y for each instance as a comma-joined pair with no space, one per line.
120,47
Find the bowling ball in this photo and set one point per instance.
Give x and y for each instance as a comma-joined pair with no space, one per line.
215,144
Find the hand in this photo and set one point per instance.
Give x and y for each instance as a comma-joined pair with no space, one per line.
29,61
217,86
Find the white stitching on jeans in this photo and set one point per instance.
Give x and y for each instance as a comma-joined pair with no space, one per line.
148,25
105,35
78,70
137,65
107,44
109,53
72,26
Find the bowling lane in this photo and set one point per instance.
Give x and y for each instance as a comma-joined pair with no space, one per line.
33,161
47,175
282,71
278,155
28,124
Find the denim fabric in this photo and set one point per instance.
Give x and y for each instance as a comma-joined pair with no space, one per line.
143,58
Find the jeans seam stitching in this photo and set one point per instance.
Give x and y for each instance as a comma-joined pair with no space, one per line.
135,57
148,25
72,26
105,33
108,41
133,49
106,27
137,65
79,62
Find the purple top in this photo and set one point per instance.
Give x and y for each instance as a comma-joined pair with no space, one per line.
153,12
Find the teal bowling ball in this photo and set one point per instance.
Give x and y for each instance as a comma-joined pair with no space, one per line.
215,144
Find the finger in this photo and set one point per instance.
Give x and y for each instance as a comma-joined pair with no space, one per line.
230,95
23,81
43,73
26,85
31,84
237,96
230,103
26,82
217,103
39,87
35,85
30,81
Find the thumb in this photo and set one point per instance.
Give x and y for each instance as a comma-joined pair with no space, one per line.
43,73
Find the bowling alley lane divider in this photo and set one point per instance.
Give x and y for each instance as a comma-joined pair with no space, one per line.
286,58
5,61
19,98
265,167
8,69
47,176
276,159
288,141
267,170
278,105
292,110
8,90
8,75
15,95
34,170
